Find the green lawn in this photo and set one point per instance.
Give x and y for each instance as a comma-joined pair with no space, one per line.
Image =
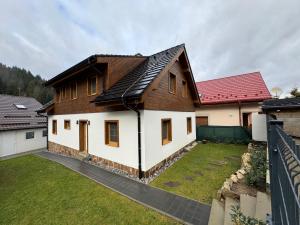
202,171
37,191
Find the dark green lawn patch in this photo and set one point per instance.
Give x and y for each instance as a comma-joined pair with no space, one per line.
208,164
37,191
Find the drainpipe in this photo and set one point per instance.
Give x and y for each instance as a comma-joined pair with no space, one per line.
141,174
135,109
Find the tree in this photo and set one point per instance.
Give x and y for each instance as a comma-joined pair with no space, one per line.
295,93
17,81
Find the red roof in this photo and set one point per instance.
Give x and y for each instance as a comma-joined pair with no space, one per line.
239,88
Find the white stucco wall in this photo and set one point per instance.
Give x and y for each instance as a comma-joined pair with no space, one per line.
13,142
153,151
259,127
152,141
226,115
126,153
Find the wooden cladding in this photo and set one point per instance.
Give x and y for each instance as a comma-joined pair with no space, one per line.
172,83
189,125
73,90
166,131
112,133
184,89
92,85
54,127
67,124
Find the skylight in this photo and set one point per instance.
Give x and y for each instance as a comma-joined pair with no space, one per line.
19,106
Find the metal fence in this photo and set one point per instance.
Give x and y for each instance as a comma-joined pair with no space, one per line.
284,166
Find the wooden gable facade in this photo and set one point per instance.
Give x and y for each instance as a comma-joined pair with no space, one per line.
110,70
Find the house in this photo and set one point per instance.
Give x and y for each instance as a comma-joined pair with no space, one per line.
231,101
286,110
21,128
129,112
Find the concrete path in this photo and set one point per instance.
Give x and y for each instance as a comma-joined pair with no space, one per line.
180,208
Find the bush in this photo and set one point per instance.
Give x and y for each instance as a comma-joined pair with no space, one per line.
238,218
257,174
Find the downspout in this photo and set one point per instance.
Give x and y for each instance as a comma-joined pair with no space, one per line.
141,173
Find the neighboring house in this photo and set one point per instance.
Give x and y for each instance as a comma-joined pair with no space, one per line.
230,101
287,110
21,128
132,113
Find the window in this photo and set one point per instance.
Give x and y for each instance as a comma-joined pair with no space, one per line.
112,133
202,120
67,124
73,90
29,135
166,131
184,89
189,125
172,83
92,85
45,133
19,106
54,127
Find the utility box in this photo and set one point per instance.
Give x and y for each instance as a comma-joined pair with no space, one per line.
259,127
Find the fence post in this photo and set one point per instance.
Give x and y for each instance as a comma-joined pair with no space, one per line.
273,167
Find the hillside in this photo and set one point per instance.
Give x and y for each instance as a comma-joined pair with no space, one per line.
17,81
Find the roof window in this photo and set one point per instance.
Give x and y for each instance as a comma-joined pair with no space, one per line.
19,106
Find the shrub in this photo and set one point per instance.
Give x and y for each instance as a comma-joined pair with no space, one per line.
238,218
257,174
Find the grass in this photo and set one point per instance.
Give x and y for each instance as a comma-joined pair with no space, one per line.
202,171
37,191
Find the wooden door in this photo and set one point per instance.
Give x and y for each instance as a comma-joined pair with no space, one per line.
83,136
202,121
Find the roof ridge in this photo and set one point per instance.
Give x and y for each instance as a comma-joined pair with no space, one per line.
232,76
180,45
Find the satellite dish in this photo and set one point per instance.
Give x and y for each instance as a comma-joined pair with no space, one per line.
276,92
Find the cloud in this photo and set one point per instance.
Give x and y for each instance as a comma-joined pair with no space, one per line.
222,38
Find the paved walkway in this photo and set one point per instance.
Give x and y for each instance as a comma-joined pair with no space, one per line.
180,208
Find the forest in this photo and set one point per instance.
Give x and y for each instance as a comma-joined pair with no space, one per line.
21,82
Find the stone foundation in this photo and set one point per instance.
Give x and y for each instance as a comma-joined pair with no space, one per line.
64,150
159,165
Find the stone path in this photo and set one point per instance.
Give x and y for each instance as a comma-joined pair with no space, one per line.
177,207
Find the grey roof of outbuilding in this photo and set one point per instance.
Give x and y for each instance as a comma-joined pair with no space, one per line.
135,82
286,103
12,118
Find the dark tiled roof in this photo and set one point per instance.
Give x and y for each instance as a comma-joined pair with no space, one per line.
48,104
135,82
12,118
286,103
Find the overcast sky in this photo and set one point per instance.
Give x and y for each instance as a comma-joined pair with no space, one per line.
222,37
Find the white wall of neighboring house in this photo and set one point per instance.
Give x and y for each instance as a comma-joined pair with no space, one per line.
153,151
226,114
14,141
151,123
259,127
